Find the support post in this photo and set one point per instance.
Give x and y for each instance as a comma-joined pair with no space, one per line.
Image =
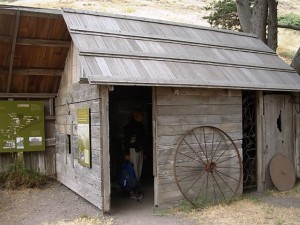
260,141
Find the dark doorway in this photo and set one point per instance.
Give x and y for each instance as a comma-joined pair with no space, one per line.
123,100
249,140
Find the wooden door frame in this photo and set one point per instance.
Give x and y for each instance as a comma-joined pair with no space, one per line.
106,186
260,126
154,136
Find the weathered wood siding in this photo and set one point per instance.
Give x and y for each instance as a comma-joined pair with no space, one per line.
6,159
278,131
84,181
297,144
180,110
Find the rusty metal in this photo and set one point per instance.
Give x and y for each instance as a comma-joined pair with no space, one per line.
207,166
282,172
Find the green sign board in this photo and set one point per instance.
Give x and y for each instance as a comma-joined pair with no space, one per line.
84,149
22,126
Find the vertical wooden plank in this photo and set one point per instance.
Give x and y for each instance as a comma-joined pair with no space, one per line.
259,140
6,159
105,147
287,127
279,130
72,144
154,137
297,144
51,106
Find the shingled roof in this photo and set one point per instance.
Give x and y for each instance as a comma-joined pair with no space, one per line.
123,50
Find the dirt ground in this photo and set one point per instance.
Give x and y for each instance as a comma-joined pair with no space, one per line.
58,203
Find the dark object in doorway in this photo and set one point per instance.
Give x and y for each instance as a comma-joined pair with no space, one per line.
279,122
128,182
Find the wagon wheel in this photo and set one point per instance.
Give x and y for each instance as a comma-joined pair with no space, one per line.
207,166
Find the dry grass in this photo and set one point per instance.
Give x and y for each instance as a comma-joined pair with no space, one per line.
288,44
294,193
248,212
248,209
85,221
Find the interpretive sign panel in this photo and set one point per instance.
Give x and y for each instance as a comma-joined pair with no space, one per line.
84,151
22,126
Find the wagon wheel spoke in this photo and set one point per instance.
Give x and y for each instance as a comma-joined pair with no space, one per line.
207,166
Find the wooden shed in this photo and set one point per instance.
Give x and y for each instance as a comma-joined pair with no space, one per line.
205,92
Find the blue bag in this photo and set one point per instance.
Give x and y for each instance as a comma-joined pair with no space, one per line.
127,179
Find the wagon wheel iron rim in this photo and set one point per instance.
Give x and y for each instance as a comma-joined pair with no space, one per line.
207,166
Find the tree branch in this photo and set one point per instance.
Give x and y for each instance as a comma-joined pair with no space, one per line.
292,27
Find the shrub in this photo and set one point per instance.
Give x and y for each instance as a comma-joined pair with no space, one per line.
17,177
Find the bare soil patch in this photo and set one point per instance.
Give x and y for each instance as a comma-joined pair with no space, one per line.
56,204
37,206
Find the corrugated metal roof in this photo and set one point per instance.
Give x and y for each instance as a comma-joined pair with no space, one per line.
136,51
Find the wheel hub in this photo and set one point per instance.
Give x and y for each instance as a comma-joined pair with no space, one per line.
210,167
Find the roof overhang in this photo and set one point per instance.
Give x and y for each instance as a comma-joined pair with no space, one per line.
34,44
124,50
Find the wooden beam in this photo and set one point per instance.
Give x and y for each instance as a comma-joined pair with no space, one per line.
37,42
32,12
5,39
44,42
13,48
38,72
34,72
28,95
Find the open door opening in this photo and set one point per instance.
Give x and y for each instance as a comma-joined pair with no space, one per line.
123,101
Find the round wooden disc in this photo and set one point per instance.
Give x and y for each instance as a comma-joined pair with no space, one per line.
282,172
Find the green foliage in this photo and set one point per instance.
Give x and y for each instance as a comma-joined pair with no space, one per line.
289,19
17,177
223,15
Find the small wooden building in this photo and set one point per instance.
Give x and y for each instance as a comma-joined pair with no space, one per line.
184,77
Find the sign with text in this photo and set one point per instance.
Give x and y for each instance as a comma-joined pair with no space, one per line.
22,126
84,151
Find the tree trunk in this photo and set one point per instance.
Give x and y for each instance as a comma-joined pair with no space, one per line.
244,13
272,24
259,19
296,62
